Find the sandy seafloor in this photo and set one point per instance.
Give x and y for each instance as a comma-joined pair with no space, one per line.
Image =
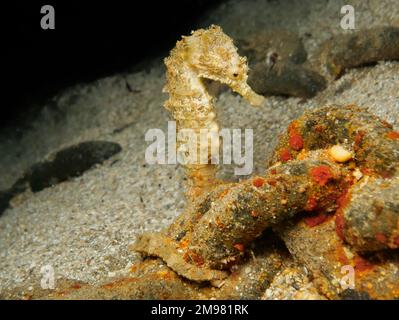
83,227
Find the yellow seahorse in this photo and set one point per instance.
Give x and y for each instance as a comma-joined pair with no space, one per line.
210,54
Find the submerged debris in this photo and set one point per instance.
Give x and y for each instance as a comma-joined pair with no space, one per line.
156,244
153,279
236,219
359,48
217,233
371,220
327,257
311,202
329,243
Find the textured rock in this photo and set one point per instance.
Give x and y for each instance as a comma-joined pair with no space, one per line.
61,166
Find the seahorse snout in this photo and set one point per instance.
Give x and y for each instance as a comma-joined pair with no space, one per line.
248,94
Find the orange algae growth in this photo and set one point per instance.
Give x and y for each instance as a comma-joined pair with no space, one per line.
219,223
254,214
393,135
272,182
342,256
223,193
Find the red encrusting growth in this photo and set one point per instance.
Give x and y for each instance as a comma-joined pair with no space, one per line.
219,223
321,174
240,247
254,214
380,237
366,171
394,135
76,286
362,264
340,225
316,220
295,139
197,259
359,137
296,142
343,199
311,204
320,128
342,256
285,155
258,182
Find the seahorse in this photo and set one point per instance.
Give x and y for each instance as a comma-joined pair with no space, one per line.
205,54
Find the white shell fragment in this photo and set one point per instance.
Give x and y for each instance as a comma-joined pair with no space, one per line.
340,154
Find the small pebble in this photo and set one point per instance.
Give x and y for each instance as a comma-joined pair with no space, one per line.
357,174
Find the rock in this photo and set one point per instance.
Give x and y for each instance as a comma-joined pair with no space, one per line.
275,59
285,45
359,48
350,294
70,162
5,198
285,78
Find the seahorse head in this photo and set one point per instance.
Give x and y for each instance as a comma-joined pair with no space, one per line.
214,56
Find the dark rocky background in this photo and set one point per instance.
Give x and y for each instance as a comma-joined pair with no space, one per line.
91,40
